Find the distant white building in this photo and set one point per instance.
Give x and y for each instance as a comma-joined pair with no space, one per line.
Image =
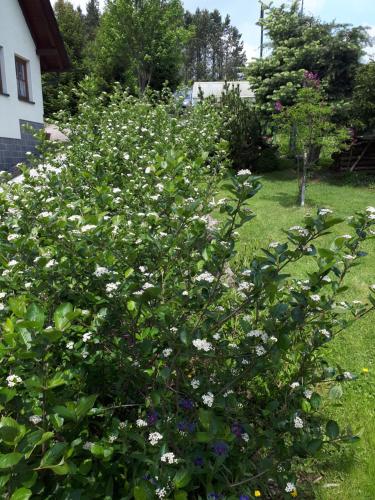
30,42
216,89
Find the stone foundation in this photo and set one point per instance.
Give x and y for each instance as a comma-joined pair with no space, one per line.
13,151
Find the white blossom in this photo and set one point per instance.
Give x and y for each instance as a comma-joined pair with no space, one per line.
298,423
70,345
208,399
141,423
167,352
169,458
100,271
195,383
290,487
243,172
87,227
324,211
86,336
260,350
35,419
13,380
308,393
205,277
51,263
154,438
202,345
294,385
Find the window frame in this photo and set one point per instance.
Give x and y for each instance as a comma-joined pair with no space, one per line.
20,61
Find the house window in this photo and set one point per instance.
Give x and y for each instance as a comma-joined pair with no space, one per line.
22,79
3,87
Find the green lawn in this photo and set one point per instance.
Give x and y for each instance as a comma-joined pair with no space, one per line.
350,474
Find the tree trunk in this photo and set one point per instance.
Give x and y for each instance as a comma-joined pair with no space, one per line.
302,192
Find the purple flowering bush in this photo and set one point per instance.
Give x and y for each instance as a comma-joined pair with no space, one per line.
134,362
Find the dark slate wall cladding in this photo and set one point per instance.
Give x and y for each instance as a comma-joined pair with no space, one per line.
13,151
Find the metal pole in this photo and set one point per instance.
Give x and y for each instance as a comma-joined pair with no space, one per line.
261,30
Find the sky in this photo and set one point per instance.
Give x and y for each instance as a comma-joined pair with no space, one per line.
244,15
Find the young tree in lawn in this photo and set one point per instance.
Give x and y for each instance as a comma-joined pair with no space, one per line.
300,43
309,122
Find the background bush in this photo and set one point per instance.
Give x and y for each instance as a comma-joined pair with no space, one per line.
133,363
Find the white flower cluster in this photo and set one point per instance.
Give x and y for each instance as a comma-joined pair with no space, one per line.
290,487
208,399
324,211
141,423
169,458
298,423
243,172
195,383
100,271
202,345
13,380
205,277
35,419
167,352
154,438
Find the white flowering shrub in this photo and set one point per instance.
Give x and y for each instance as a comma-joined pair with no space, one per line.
133,363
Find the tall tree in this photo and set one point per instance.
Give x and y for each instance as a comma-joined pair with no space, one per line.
363,104
72,27
215,51
92,18
302,43
140,42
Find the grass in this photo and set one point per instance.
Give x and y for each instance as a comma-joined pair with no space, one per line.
348,474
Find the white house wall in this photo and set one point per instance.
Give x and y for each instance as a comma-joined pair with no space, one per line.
16,40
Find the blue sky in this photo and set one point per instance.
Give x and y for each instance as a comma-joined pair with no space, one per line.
244,14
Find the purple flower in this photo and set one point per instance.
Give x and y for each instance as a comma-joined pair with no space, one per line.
244,497
220,448
186,404
152,417
214,496
185,426
237,429
278,106
198,461
311,79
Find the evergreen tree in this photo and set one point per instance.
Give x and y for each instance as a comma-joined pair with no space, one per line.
92,18
215,51
303,43
72,28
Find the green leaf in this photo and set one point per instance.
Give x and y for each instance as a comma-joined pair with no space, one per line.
203,437
140,493
182,478
18,306
35,439
180,495
315,401
11,431
9,460
314,446
60,316
205,418
84,406
335,392
21,494
57,380
35,315
332,429
131,305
